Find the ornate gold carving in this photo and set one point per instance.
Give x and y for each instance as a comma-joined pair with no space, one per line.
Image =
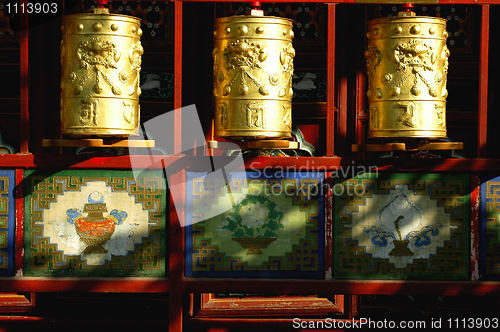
373,58
374,118
96,53
440,114
387,78
245,55
445,55
286,58
409,117
129,111
88,112
407,64
98,62
415,54
243,30
124,76
97,27
135,58
255,115
416,30
287,118
274,79
252,71
222,109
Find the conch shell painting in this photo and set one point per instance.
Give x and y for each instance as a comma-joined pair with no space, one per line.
93,228
403,226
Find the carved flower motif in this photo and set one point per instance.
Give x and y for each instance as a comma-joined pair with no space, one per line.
274,79
123,76
387,78
72,77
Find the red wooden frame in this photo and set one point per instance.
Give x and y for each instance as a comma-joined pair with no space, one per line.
271,306
17,302
24,97
483,80
330,72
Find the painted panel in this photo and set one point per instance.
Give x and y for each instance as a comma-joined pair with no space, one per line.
489,255
7,220
277,230
402,226
94,223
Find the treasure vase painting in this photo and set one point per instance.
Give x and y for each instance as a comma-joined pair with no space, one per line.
94,223
402,226
274,229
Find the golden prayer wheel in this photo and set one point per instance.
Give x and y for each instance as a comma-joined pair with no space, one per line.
253,70
101,63
407,63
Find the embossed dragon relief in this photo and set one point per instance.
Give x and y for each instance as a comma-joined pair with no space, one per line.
418,56
246,56
97,56
415,56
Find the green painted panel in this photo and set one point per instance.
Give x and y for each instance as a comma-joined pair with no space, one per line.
402,226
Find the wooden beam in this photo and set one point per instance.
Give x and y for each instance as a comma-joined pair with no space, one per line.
177,77
484,41
24,64
330,82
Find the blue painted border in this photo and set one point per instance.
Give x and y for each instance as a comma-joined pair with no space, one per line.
319,274
483,275
10,174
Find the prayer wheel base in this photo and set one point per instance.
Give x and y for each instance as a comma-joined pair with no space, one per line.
422,134
98,143
424,146
259,144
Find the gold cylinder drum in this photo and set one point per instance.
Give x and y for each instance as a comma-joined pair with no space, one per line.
253,70
100,85
407,63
